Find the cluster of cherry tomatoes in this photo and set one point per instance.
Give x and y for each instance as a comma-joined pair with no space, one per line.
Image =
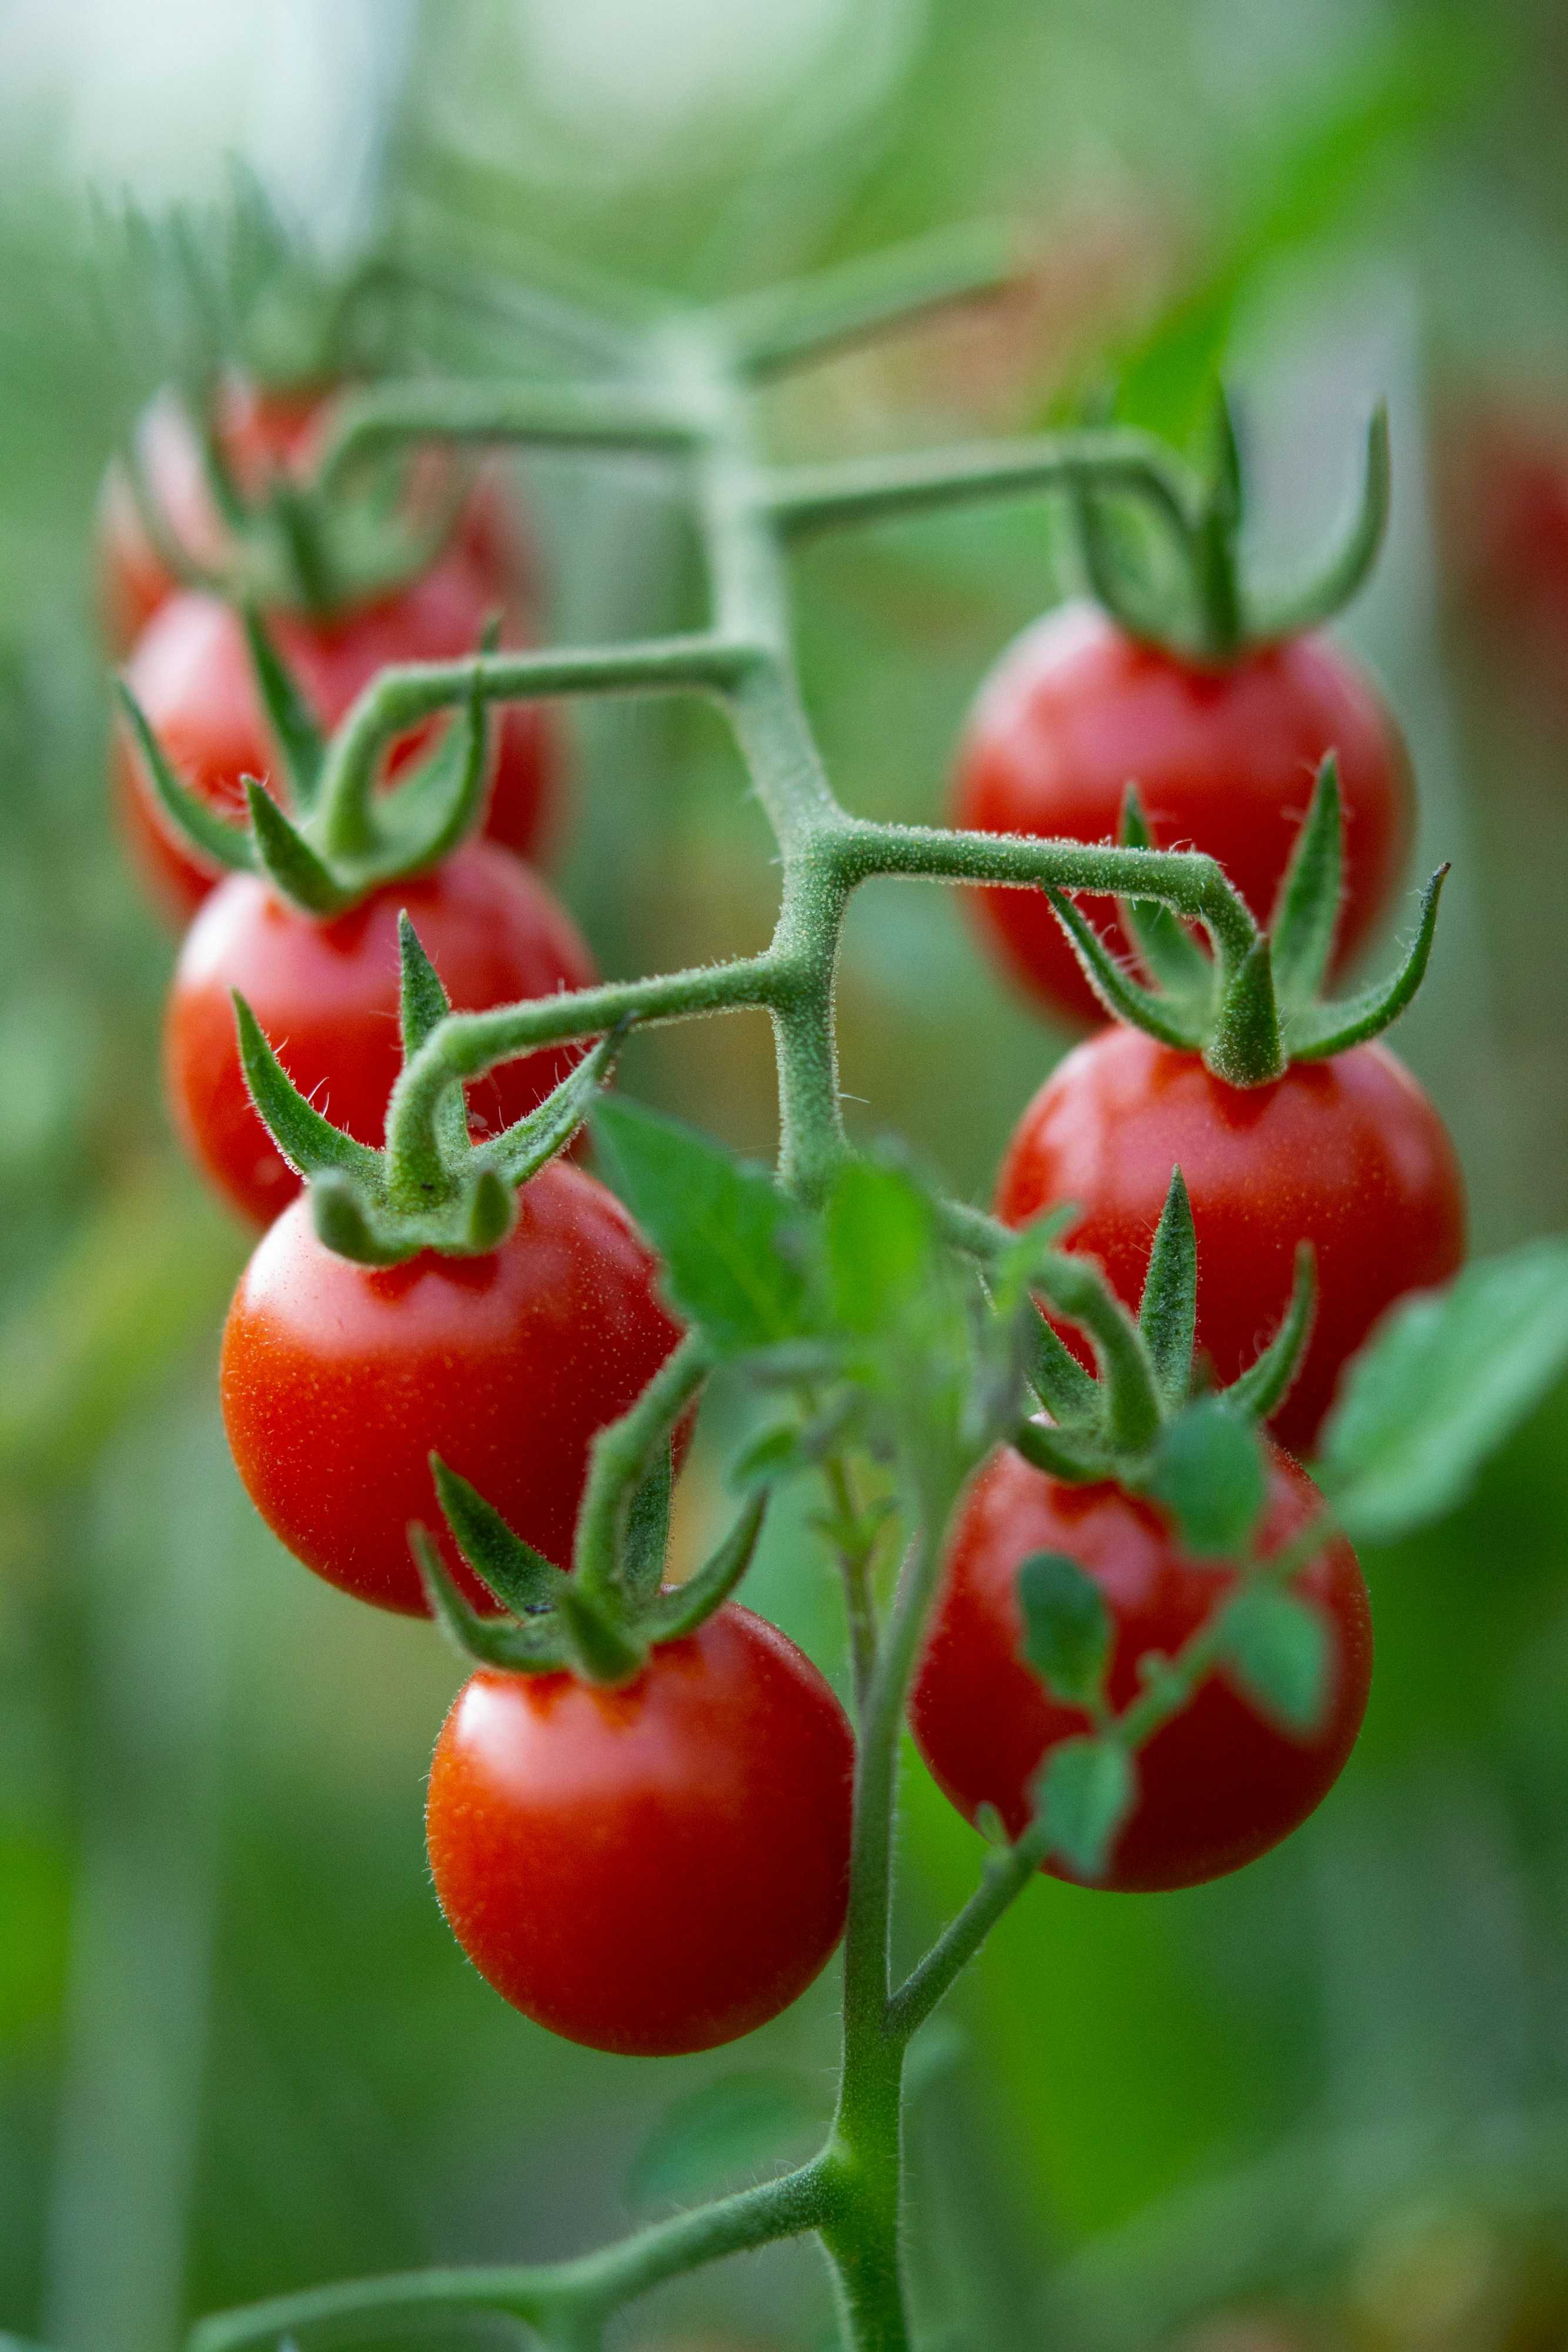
662,1865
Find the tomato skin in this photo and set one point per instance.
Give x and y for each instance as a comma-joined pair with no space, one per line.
263,431
655,1869
191,674
1224,760
1220,1783
337,1380
326,996
1348,1154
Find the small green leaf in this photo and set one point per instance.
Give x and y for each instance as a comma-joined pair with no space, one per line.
1280,1649
881,1239
1167,1312
520,1578
1208,1472
1066,1626
722,1226
732,2126
1443,1381
1086,1791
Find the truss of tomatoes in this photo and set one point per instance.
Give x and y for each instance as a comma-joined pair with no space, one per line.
698,1814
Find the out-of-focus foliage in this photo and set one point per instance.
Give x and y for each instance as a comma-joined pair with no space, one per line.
1321,2104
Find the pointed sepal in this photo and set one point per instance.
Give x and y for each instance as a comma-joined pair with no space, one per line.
290,717
1166,949
1329,1029
689,1605
648,1528
1167,1312
1262,1388
1115,987
1306,911
287,860
521,1149
312,1144
422,1000
516,1649
1244,1045
521,1579
346,1225
192,818
1347,569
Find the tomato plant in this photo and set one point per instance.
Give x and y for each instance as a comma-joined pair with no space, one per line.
1220,1783
1347,1154
493,932
1223,758
656,1867
1130,1632
191,674
338,1381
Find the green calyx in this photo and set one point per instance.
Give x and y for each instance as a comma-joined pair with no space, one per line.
1268,1012
1176,582
1132,1419
328,850
441,1191
600,1627
238,292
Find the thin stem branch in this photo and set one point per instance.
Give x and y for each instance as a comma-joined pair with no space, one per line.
875,489
606,417
791,326
1006,1876
544,2294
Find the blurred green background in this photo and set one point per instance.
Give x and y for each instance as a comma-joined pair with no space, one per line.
1323,2105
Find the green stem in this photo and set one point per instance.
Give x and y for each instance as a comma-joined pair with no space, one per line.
549,2296
875,489
789,326
599,417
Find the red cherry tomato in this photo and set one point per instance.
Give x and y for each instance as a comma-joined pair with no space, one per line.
263,433
326,996
653,1869
1220,1783
1348,1154
191,674
1224,760
339,1380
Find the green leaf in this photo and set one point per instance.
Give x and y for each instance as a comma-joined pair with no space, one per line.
721,1225
733,2125
1280,1649
1208,1472
1443,1381
520,1578
881,1244
1086,1791
1066,1625
1167,1311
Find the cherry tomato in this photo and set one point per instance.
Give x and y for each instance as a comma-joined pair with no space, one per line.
653,1869
1220,1783
1348,1154
339,1380
326,996
1224,760
263,433
191,675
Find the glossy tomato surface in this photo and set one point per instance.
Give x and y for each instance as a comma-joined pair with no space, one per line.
1219,1784
326,996
338,1380
1224,760
653,1869
263,433
191,673
1347,1154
